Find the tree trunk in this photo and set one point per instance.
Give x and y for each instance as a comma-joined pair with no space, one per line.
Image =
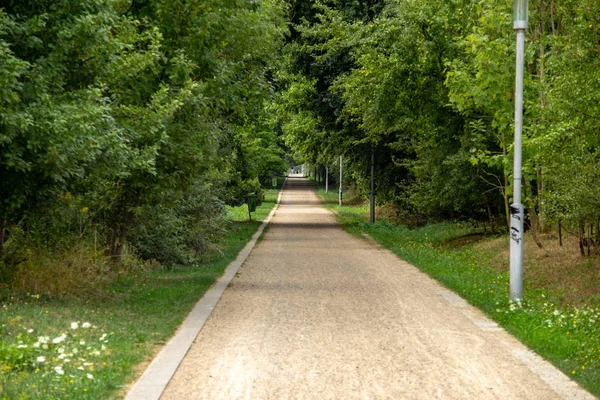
506,205
3,224
560,232
116,241
590,241
533,217
597,238
118,237
534,226
491,218
541,71
581,237
554,31
540,198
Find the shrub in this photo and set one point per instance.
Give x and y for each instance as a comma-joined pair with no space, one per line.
176,234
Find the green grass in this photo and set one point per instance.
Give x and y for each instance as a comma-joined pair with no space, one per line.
281,181
568,337
137,314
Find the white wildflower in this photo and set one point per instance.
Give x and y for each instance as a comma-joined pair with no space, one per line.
59,339
86,325
29,330
74,325
90,376
22,346
41,359
59,370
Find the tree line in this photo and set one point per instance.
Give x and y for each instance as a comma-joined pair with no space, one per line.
429,87
133,122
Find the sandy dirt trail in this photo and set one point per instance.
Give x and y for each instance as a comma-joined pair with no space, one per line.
316,313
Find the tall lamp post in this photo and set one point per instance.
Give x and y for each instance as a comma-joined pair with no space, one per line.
341,180
516,209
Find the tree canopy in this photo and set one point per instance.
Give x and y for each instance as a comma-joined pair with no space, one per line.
431,85
143,118
120,107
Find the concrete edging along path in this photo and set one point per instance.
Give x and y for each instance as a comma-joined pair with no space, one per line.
153,382
320,314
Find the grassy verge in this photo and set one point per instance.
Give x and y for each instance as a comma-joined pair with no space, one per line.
566,335
91,348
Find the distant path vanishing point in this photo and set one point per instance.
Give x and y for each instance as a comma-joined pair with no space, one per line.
316,313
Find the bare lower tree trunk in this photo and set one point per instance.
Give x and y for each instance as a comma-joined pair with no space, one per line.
590,241
581,237
554,30
116,241
3,224
491,218
540,198
118,237
534,226
597,238
541,71
559,232
506,205
533,218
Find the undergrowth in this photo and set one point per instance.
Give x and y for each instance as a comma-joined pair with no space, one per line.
91,346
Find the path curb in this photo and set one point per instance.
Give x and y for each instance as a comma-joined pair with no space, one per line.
155,379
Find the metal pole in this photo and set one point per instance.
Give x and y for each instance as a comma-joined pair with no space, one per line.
516,209
326,180
372,213
341,170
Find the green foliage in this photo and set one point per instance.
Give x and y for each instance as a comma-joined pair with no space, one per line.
174,233
117,328
431,86
392,93
138,110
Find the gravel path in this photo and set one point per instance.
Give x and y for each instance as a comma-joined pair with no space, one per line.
316,313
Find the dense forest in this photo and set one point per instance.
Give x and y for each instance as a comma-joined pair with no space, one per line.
126,126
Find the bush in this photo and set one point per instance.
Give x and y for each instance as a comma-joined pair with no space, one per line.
238,191
176,234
